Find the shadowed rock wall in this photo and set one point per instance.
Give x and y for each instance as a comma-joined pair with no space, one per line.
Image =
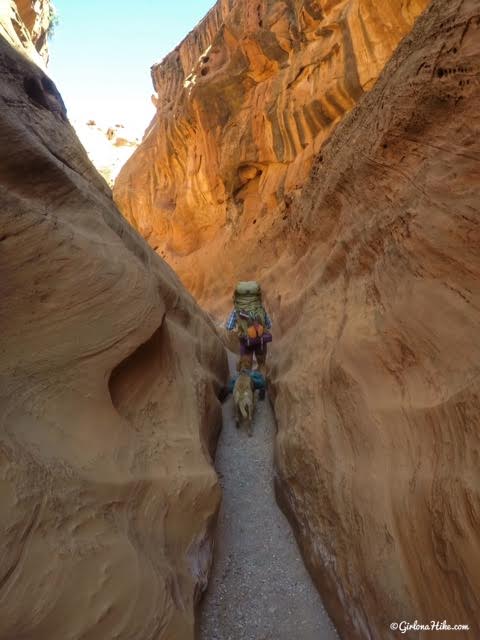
108,409
371,269
376,301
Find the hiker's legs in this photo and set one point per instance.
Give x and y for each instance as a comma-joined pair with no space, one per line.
246,357
261,356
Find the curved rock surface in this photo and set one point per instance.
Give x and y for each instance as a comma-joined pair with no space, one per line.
372,272
377,373
244,103
108,408
25,25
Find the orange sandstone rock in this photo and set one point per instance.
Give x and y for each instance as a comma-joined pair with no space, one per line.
244,103
25,24
371,271
376,304
108,409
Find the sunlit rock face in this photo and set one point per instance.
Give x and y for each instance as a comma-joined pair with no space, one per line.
26,24
243,105
108,411
371,269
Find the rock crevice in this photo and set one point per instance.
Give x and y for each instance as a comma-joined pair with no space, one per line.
363,229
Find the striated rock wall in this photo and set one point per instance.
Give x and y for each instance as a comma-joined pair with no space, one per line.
244,103
376,372
108,409
25,25
371,271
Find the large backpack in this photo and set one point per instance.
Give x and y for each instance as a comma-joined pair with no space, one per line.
250,312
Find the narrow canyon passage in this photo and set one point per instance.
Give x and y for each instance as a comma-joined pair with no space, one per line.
259,588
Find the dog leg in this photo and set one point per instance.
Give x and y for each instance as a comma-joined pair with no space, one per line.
250,417
237,417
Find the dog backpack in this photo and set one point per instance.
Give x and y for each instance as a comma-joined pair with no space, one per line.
250,312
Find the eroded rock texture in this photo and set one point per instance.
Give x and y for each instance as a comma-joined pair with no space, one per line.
243,105
377,370
372,274
26,24
108,409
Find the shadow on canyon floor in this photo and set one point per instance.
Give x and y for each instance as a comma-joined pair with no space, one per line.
259,587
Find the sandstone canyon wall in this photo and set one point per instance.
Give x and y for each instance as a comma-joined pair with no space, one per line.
26,24
244,103
372,272
377,374
108,410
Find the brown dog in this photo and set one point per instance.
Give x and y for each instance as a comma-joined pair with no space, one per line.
244,400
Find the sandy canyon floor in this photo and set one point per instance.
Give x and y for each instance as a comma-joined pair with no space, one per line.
259,588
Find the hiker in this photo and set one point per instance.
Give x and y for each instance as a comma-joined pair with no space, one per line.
252,323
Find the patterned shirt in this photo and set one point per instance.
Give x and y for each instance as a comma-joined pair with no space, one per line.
232,321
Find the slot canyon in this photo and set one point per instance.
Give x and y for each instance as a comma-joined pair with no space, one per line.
328,149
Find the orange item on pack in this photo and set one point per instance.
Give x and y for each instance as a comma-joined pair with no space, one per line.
252,332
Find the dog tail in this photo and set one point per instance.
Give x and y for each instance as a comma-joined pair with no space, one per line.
244,407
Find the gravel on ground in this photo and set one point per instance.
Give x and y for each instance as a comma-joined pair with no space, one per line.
259,588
